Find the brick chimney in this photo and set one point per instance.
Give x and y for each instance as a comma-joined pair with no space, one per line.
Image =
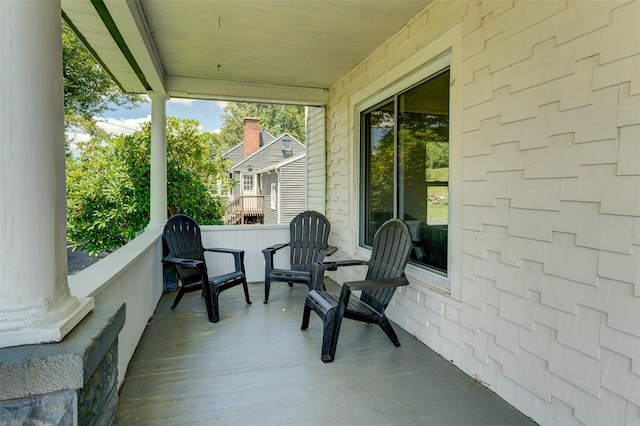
251,135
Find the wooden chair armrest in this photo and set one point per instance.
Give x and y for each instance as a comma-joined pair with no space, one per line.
238,256
373,284
224,250
185,263
332,266
324,304
274,248
318,270
269,252
329,250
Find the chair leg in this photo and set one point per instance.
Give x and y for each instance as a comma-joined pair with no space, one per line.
181,293
305,317
267,286
386,326
328,337
246,291
212,305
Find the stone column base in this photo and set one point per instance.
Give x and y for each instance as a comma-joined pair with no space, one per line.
73,382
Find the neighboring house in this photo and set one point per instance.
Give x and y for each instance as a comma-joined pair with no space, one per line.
270,177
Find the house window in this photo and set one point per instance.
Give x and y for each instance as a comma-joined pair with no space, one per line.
247,183
286,145
405,168
273,196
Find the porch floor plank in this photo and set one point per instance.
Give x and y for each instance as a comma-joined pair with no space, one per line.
255,367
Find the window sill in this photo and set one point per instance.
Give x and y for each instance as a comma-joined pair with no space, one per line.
432,280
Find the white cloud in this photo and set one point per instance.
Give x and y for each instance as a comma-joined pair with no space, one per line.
124,126
221,104
76,135
114,126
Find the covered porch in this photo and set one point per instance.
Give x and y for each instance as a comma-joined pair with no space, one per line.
256,367
540,299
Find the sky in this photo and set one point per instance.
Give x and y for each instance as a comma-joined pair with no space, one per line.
127,121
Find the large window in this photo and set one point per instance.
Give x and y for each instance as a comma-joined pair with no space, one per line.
405,168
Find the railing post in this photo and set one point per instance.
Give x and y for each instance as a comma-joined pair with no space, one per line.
242,209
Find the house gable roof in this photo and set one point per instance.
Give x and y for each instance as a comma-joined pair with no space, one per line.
233,149
281,164
265,138
265,147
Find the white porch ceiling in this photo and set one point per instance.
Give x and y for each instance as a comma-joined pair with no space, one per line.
262,50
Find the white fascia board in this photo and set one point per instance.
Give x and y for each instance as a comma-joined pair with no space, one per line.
84,17
134,30
224,90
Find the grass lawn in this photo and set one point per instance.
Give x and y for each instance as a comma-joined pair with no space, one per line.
438,211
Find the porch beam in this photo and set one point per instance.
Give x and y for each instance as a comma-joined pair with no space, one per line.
199,88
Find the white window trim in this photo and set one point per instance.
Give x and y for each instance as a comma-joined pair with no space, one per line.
274,192
363,102
252,190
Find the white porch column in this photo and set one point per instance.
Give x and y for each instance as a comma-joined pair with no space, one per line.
158,160
35,302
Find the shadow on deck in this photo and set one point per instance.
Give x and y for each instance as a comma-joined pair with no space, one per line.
255,367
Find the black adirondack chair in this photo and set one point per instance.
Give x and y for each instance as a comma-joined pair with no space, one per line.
390,253
309,232
184,242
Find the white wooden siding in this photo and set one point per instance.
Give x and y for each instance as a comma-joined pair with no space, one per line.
316,159
293,190
250,238
131,275
270,215
544,303
235,154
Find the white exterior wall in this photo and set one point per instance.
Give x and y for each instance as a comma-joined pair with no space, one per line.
316,159
544,298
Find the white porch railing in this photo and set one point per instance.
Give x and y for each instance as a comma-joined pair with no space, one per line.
133,274
250,238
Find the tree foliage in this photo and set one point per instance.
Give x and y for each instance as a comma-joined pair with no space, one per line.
108,184
88,89
422,154
276,119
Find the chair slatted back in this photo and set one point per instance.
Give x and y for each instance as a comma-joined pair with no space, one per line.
184,240
309,233
390,253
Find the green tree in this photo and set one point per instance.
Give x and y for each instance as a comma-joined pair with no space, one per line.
276,119
88,89
108,184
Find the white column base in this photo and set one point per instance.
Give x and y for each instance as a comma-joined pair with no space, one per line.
47,333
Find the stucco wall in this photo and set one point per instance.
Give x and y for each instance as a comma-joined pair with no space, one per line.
544,298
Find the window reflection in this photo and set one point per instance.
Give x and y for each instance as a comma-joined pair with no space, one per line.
406,168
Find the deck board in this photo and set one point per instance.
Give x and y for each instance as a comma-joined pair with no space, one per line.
255,367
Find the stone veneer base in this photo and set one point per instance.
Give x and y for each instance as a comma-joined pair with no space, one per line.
71,382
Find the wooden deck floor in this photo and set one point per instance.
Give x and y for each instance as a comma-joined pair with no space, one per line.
255,367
